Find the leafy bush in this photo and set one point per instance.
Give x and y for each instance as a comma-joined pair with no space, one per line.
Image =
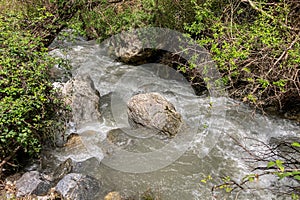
28,104
255,44
108,18
256,47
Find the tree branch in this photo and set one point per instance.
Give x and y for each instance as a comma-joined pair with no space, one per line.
253,5
5,160
286,51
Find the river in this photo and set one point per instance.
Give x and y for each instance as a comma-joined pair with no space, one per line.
171,168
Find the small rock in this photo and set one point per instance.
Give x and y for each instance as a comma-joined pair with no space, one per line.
82,147
31,183
78,187
59,172
118,138
153,111
113,196
63,169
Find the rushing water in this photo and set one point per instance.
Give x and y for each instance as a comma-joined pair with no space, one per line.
205,148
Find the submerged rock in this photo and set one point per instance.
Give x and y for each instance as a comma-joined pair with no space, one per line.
78,187
31,183
73,149
81,147
113,196
83,98
153,111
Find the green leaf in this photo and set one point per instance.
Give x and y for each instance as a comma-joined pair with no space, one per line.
295,196
295,144
205,180
250,177
228,189
246,70
297,177
271,164
283,175
279,164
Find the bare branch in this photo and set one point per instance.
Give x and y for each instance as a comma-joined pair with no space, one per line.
253,5
286,51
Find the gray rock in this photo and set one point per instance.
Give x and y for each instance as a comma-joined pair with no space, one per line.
153,111
63,169
126,46
135,46
31,183
83,98
78,187
60,171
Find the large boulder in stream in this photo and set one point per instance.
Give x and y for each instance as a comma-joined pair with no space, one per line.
153,111
136,46
127,48
83,98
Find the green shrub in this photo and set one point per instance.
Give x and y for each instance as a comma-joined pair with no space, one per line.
108,19
254,46
28,104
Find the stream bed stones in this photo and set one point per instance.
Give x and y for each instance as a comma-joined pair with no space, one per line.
62,183
78,187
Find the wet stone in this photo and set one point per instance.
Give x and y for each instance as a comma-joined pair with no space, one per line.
81,90
78,187
31,183
113,196
153,111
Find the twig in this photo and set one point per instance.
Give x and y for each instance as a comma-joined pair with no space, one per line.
252,4
286,51
8,158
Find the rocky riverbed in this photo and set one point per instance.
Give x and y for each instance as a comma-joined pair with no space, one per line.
140,131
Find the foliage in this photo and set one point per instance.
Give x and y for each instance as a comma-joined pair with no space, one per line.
46,19
28,104
173,14
109,18
255,45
